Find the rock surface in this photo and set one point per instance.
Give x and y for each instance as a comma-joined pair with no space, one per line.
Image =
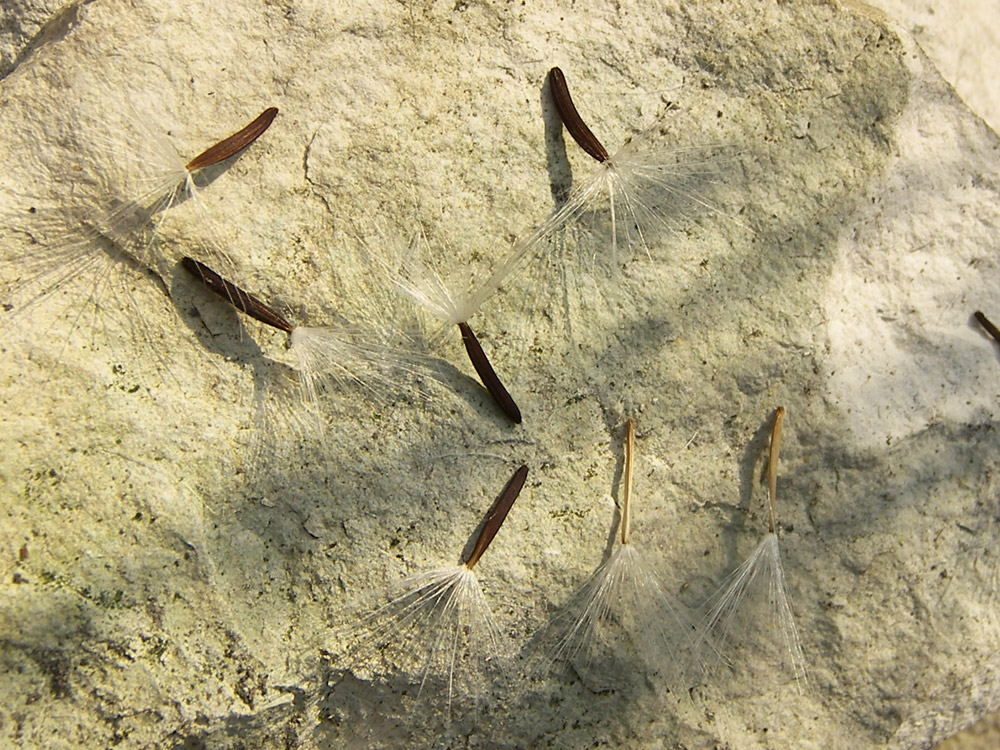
182,565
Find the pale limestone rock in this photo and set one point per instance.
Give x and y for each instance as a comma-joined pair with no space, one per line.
161,601
27,24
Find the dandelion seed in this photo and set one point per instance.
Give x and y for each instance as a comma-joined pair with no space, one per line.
442,628
100,234
755,591
639,186
622,613
169,179
368,356
166,180
427,289
988,326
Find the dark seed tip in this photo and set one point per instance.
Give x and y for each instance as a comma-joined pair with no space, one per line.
987,324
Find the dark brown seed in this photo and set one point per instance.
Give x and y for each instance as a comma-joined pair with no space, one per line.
488,375
242,301
497,514
571,118
990,328
234,143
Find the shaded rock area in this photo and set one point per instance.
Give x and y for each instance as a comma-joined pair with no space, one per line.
189,558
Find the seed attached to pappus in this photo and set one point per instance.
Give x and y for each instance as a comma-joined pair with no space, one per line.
641,187
441,631
755,592
99,238
419,281
622,612
177,179
772,465
361,353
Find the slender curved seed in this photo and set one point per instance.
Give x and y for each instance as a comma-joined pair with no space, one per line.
241,300
571,118
234,143
488,375
990,328
772,463
497,514
627,479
